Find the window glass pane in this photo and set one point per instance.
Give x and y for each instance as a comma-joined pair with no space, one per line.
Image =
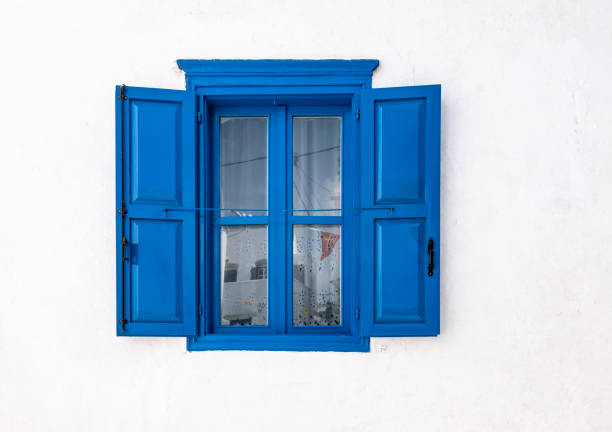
316,275
244,275
244,165
316,165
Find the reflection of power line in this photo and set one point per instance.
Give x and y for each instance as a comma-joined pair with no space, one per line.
309,196
296,156
239,231
312,197
313,180
244,161
302,200
302,170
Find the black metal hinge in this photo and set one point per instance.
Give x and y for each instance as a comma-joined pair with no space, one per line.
358,115
357,314
122,211
123,322
122,95
200,116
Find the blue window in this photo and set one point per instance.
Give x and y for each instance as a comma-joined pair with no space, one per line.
278,205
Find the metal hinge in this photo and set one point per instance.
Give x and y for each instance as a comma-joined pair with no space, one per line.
122,211
122,95
358,115
123,322
199,116
357,314
200,310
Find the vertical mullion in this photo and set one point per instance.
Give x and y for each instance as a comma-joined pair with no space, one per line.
277,220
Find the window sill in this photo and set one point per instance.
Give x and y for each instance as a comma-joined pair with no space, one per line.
279,343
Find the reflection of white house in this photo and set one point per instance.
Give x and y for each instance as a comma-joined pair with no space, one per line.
245,302
244,273
316,293
316,281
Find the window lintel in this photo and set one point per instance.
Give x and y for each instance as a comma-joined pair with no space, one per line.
277,72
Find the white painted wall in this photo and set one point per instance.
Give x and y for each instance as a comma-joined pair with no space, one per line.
526,220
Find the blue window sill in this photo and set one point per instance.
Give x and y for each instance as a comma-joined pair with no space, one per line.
279,343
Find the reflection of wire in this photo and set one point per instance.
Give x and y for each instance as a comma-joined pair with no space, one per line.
313,180
329,228
243,229
317,184
244,161
309,196
302,200
296,156
315,196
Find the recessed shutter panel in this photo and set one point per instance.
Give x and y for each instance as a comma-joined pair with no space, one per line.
400,216
156,238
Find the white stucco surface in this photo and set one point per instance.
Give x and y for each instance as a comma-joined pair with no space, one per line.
526,278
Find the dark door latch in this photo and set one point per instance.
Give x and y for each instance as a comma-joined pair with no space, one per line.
124,245
430,252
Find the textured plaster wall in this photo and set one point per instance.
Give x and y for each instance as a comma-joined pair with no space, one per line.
526,220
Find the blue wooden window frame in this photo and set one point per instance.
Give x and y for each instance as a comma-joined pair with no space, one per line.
285,88
280,333
379,297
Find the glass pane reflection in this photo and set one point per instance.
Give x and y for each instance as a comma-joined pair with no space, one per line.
244,275
244,165
316,275
317,165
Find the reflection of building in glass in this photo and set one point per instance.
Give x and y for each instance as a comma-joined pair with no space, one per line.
245,302
260,271
244,268
231,272
316,279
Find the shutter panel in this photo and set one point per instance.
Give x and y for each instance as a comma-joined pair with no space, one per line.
156,238
400,197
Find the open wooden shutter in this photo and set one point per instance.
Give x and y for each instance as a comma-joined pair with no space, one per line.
156,237
400,220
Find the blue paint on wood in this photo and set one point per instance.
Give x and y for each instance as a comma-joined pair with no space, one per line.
399,142
390,165
156,289
159,171
398,261
278,67
155,151
400,168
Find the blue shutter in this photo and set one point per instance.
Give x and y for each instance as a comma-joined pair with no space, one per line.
156,238
400,197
